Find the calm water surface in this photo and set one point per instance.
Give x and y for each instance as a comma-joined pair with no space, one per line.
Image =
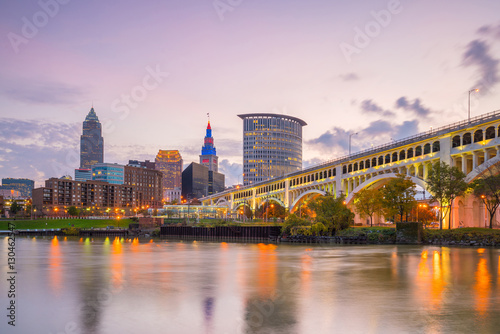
131,286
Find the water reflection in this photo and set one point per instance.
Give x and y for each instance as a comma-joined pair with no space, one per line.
118,285
55,276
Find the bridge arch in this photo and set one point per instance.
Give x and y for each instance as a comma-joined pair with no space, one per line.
312,191
240,204
479,170
268,199
373,180
221,202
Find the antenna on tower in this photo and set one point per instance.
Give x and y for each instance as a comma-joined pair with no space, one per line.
208,115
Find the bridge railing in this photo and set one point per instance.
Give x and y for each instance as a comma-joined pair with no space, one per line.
372,150
408,140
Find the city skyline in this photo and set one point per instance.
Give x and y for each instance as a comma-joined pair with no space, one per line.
384,70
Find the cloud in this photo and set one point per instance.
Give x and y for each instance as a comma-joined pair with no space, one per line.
232,171
369,107
490,30
477,54
43,93
414,106
407,129
38,150
334,143
349,77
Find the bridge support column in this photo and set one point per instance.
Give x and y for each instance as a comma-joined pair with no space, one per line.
464,163
487,155
475,159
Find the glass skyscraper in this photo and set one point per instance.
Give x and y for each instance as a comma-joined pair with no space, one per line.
272,146
91,141
24,186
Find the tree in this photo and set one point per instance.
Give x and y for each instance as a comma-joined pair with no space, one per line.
247,211
73,211
15,208
368,202
292,222
487,188
332,213
399,197
445,183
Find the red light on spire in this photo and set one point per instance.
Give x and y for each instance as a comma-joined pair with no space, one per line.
208,126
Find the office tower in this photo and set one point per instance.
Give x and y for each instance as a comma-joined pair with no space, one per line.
144,164
111,173
83,174
91,141
198,181
147,183
208,155
272,146
24,186
169,162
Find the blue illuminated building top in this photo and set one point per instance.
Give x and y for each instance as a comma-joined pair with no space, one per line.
208,148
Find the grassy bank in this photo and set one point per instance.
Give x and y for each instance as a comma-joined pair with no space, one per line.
463,236
374,235
64,223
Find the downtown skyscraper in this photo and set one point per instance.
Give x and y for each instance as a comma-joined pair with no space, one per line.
272,146
91,141
208,155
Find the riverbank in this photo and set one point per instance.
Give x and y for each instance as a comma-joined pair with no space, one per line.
64,223
471,236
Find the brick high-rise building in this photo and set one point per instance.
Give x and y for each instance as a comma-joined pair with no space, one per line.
169,162
141,188
91,141
147,183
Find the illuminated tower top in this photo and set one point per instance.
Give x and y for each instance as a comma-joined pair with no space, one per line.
208,155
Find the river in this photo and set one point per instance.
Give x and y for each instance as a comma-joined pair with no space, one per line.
112,285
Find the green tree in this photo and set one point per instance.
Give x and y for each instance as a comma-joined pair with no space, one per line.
332,213
73,211
487,188
15,208
368,202
247,211
445,183
399,197
293,222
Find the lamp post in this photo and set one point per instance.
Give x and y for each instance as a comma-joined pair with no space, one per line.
350,136
470,91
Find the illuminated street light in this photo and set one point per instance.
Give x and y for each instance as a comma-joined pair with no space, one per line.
470,91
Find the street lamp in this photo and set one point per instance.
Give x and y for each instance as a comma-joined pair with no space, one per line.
470,91
350,136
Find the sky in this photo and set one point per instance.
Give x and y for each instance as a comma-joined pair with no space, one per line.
153,69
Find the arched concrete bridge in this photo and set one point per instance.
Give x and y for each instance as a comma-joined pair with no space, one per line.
469,145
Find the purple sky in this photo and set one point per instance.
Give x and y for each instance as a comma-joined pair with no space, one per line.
409,70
